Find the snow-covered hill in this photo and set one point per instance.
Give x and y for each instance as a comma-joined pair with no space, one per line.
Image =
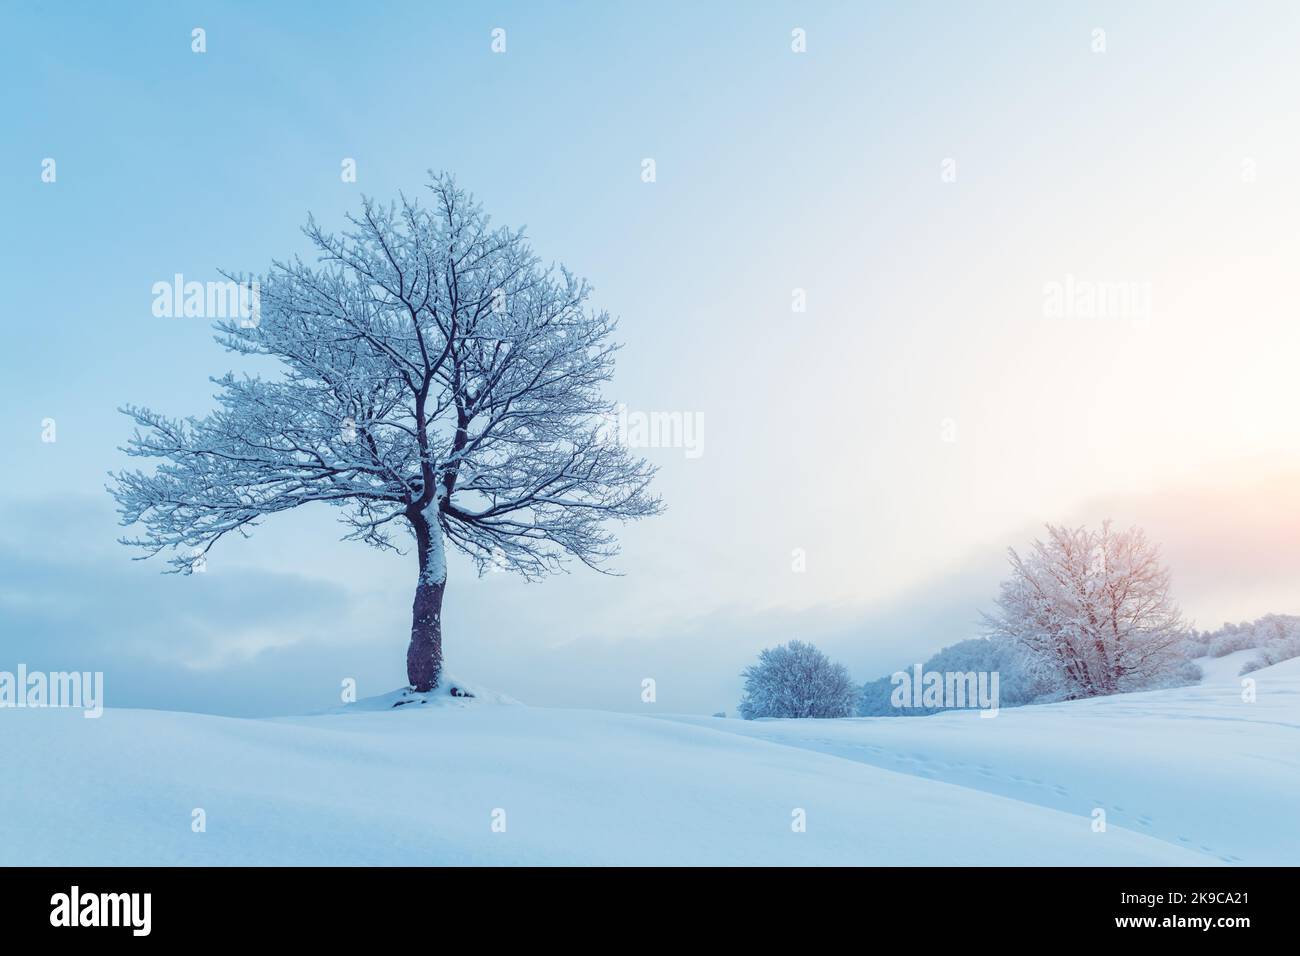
1225,669
1197,767
1187,776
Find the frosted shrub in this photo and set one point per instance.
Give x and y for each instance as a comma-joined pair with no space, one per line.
1275,636
796,680
1278,638
1232,638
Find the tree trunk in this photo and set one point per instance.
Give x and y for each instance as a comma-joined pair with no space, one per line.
424,655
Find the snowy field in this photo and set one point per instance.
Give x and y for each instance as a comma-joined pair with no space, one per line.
1187,776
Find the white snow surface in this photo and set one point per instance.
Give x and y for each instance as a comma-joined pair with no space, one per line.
1195,767
1225,669
1186,776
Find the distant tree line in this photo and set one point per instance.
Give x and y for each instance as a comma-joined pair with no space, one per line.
1084,613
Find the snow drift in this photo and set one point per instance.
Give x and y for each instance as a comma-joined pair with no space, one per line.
1187,776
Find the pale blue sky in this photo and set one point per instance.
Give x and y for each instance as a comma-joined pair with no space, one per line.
776,171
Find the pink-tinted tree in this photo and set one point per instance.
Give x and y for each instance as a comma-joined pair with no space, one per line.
1093,611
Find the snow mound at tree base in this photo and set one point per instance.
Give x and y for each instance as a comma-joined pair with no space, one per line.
450,692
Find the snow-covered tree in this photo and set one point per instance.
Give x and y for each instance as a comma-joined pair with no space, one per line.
1276,637
436,378
796,680
1279,640
1092,609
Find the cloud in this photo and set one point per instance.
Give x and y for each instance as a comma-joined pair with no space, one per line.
1232,543
230,641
